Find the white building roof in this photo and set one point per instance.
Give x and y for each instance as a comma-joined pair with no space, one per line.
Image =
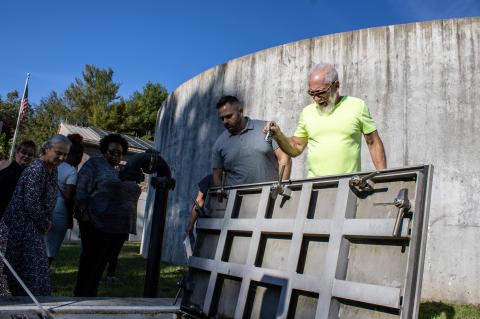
93,135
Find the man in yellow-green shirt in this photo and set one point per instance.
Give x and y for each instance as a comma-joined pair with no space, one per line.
332,128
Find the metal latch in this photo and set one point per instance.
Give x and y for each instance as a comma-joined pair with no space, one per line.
221,193
363,183
279,188
403,205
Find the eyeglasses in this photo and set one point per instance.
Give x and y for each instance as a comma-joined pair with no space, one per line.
321,94
27,153
114,152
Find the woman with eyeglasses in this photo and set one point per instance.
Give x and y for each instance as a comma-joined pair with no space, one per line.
10,171
28,217
103,209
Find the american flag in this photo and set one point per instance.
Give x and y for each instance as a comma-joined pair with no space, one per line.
24,105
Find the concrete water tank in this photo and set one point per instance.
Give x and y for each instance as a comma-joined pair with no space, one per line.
421,82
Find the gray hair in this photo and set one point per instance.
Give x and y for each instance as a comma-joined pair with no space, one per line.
55,139
328,70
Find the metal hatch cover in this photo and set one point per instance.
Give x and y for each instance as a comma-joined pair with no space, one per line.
346,246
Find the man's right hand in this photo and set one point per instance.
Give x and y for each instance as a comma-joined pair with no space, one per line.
272,127
292,146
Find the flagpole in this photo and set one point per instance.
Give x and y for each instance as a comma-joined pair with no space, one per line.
18,119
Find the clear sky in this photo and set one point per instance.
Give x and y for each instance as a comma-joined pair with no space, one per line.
169,42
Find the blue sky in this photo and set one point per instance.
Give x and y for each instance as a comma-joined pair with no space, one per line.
169,42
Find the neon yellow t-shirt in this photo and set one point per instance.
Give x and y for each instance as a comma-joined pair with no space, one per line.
334,139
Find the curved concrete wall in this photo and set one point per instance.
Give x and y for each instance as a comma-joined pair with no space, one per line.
422,84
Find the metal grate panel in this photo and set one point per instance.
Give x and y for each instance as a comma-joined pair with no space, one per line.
327,251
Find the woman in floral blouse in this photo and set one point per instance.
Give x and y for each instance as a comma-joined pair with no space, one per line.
28,217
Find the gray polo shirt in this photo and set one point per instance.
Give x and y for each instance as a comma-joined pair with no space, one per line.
246,157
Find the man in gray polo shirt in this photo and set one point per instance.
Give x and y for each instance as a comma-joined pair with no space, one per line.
242,152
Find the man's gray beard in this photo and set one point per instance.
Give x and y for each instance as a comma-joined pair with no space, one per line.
327,108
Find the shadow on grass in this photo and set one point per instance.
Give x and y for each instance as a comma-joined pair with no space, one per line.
436,310
130,271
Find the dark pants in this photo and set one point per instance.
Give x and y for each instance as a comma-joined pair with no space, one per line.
97,249
112,262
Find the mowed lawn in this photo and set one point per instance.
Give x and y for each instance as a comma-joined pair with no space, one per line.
131,272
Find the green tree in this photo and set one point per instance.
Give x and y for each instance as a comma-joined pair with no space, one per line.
90,100
47,117
8,116
5,145
142,109
90,97
116,117
9,112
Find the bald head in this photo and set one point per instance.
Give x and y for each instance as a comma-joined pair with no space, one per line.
325,72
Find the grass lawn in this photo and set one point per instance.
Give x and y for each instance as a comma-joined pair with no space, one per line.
438,310
131,271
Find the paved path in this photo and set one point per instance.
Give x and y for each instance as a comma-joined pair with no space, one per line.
71,307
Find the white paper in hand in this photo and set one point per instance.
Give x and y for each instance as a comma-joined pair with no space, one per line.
188,247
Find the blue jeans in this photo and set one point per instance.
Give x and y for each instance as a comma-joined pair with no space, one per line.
56,234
